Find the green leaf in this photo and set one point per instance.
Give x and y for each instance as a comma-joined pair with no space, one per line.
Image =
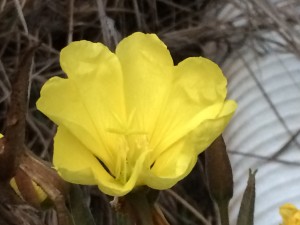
80,212
246,214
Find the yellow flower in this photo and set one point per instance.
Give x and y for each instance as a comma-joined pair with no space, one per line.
40,194
290,214
132,118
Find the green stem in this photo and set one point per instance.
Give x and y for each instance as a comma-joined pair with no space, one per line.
223,210
137,206
147,210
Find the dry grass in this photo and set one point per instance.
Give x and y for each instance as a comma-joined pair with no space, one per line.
190,28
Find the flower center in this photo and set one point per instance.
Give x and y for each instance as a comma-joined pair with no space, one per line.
130,150
132,145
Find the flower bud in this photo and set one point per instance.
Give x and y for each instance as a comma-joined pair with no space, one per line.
219,172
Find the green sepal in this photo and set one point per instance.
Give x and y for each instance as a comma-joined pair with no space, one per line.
246,213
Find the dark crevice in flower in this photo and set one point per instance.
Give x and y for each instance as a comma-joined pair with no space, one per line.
152,165
105,167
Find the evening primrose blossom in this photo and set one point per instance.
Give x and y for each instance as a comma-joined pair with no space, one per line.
132,118
40,194
290,214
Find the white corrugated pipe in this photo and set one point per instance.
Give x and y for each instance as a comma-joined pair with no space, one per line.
266,125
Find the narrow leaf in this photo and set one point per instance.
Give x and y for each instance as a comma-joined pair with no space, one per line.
80,212
246,214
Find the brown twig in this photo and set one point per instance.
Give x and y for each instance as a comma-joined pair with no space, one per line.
12,145
14,134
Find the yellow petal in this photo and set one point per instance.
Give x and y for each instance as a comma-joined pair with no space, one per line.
287,212
93,91
61,101
83,57
198,94
14,186
39,191
74,162
200,80
171,166
97,73
1,135
178,160
296,219
117,188
206,132
147,67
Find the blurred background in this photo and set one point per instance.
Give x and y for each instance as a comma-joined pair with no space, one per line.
255,42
